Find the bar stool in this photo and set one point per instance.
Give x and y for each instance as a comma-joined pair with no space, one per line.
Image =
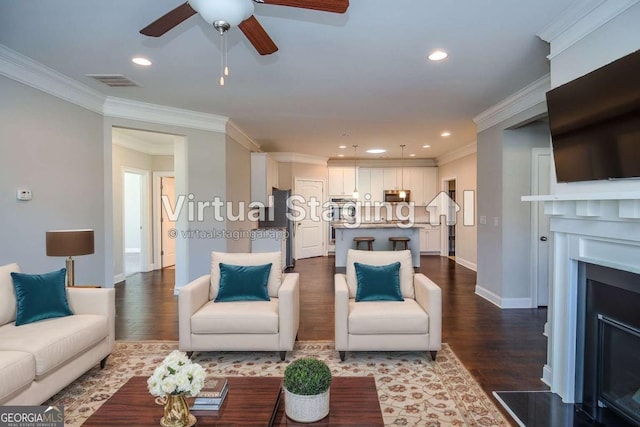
404,240
367,240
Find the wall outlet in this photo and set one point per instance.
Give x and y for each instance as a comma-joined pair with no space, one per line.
483,220
24,194
496,221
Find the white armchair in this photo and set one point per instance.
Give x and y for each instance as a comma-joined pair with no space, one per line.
412,324
205,325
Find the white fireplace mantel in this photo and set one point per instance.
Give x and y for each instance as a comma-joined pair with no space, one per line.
602,229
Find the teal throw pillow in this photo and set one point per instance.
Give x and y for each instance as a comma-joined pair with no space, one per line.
243,283
378,282
40,296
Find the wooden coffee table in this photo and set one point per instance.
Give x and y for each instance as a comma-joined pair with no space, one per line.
251,401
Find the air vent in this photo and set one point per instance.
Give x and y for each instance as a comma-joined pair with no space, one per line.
114,80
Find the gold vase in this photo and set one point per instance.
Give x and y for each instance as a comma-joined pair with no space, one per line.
176,412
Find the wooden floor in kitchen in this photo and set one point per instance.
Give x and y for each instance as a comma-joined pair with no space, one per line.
503,349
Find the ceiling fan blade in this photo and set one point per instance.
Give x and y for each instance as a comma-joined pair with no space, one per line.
258,36
335,6
168,21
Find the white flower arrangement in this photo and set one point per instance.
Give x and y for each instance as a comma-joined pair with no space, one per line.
176,375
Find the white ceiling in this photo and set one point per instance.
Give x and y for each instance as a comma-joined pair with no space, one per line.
363,74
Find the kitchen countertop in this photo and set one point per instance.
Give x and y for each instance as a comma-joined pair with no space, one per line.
385,224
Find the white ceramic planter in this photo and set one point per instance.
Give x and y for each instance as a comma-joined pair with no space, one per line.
306,409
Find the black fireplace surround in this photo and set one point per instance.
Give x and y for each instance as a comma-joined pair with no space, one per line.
608,338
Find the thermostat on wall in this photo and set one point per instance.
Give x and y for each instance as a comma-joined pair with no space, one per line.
24,194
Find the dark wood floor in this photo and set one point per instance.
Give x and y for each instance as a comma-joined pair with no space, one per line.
503,349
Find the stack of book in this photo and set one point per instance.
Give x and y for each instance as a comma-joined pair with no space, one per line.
212,395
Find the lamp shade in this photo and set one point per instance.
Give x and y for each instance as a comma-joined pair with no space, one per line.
69,242
232,12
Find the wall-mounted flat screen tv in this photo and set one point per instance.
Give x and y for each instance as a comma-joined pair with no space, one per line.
595,123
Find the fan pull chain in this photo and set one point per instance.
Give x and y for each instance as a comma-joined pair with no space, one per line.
226,55
223,59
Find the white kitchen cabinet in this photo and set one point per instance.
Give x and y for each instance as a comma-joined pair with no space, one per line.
371,181
430,184
364,183
342,181
415,184
264,177
377,185
430,239
390,179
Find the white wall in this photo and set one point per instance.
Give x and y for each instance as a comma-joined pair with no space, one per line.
464,170
504,152
238,171
611,41
55,149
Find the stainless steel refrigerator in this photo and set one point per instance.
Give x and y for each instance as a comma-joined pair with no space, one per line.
276,217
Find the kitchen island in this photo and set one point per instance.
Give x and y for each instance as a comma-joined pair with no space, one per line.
345,233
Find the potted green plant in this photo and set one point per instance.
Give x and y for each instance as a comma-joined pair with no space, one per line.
306,384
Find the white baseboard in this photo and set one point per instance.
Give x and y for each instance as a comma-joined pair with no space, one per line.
118,278
468,264
546,375
488,295
502,302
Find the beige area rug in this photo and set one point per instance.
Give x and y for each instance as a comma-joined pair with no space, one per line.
413,390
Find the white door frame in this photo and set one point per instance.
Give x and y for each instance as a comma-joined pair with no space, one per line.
444,230
157,210
145,265
535,232
325,225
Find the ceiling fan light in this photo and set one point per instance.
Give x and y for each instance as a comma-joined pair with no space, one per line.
232,12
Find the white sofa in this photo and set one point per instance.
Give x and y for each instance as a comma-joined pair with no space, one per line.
39,359
205,325
412,324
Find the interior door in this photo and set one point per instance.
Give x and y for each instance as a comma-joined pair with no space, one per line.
543,232
168,244
308,233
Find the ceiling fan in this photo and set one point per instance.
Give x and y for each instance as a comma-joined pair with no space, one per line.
224,14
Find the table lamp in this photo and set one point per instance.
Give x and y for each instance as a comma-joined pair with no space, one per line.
69,243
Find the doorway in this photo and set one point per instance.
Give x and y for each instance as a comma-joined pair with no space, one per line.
540,231
309,231
448,229
135,194
167,244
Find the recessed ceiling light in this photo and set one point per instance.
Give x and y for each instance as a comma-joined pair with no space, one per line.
445,134
340,155
426,146
342,147
376,151
438,55
412,155
141,61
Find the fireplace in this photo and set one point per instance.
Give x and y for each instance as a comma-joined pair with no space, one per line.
599,232
608,343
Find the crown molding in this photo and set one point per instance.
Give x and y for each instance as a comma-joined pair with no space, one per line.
232,130
579,20
527,97
135,110
459,153
138,144
299,158
25,70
